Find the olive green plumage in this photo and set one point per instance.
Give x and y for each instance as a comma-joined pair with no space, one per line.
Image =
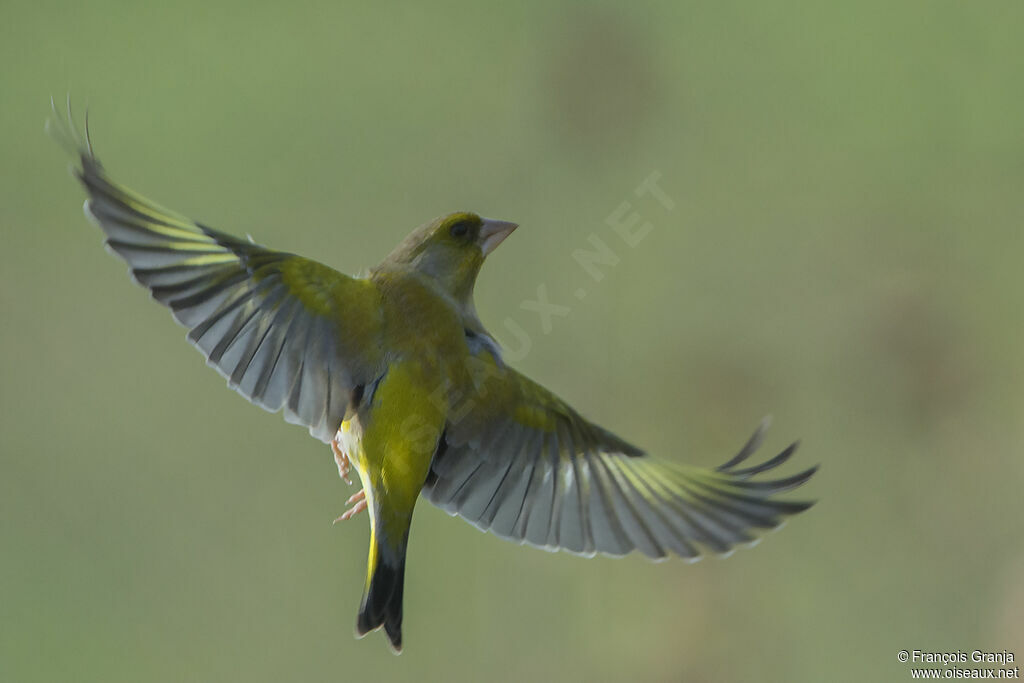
397,372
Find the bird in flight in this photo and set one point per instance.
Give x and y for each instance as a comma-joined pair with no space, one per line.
396,373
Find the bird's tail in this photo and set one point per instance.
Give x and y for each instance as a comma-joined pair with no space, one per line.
382,597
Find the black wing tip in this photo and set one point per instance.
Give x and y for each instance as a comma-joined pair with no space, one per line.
65,131
788,508
753,443
802,505
765,466
766,488
796,480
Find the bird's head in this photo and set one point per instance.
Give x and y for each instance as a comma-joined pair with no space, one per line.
451,249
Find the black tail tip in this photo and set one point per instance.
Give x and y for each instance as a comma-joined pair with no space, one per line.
394,633
391,629
382,602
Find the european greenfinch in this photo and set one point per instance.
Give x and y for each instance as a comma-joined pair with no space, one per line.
398,375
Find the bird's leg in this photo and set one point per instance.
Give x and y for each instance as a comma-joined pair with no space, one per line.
358,503
340,457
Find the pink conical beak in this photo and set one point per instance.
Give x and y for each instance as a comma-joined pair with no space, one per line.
493,233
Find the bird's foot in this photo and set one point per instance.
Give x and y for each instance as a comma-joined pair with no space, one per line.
358,503
340,457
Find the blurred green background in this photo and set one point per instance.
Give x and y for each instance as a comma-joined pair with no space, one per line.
844,253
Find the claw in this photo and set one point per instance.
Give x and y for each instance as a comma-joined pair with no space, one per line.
359,500
340,457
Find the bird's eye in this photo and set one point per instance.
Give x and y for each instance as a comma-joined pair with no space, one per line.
460,230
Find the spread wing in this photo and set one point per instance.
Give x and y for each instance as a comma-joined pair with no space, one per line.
285,331
522,463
